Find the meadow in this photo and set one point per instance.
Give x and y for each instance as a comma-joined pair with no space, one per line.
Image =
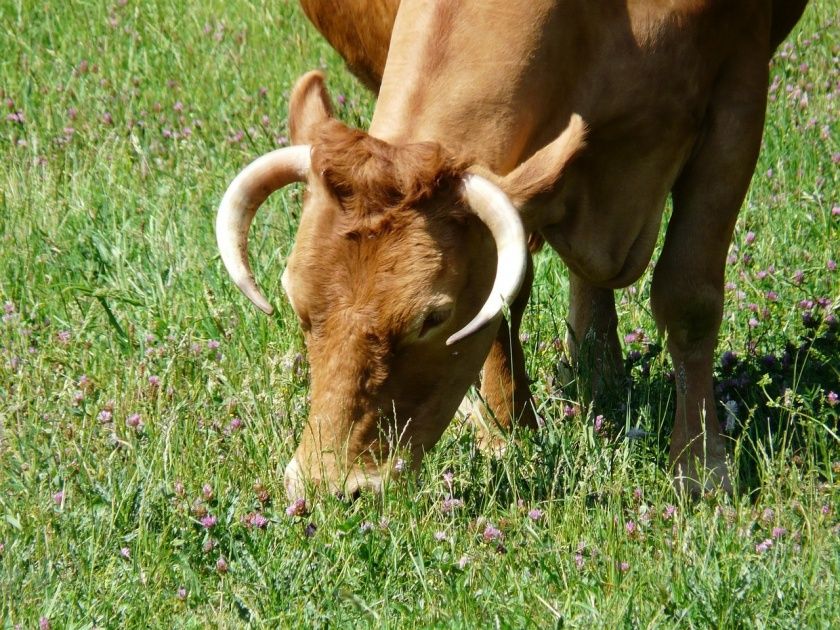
147,409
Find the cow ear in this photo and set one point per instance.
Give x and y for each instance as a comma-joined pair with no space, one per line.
542,173
309,107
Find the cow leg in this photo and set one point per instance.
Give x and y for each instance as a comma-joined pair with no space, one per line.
592,340
687,289
505,387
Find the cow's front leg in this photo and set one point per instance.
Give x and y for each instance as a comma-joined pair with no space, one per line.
505,388
592,340
687,289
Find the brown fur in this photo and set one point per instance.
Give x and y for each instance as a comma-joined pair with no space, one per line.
360,30
370,176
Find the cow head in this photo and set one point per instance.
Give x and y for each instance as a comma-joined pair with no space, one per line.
403,261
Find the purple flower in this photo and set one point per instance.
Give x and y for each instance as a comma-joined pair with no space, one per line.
399,465
624,567
44,623
669,512
213,345
105,416
154,380
181,593
579,560
178,106
297,508
178,488
449,477
491,533
365,527
637,335
599,423
8,308
798,277
235,425
208,521
768,514
207,492
258,520
221,565
753,323
107,119
463,561
764,545
125,552
772,296
778,532
832,398
728,360
835,211
450,504
58,498
630,528
63,336
749,239
535,514
831,265
134,421
440,536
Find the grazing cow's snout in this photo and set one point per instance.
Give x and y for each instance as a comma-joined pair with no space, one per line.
348,486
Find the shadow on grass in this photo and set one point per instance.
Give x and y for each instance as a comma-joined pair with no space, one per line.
775,408
771,404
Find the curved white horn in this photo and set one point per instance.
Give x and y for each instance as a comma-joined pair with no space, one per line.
492,206
245,194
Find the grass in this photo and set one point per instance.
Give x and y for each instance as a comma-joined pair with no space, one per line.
132,121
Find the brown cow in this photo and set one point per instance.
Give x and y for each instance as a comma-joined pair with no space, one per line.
496,120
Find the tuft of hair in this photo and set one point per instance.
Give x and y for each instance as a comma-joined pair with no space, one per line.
369,176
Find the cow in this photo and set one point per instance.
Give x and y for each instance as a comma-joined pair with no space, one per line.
496,122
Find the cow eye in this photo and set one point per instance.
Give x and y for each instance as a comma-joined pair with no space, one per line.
433,320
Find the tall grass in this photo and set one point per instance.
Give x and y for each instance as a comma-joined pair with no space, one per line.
146,410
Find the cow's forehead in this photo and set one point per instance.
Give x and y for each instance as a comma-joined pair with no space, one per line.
395,270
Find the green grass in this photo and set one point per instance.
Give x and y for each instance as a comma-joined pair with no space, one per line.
135,118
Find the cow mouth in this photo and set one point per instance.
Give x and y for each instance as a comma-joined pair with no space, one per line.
299,485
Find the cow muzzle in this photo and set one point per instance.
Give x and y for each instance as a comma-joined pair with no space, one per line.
350,485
